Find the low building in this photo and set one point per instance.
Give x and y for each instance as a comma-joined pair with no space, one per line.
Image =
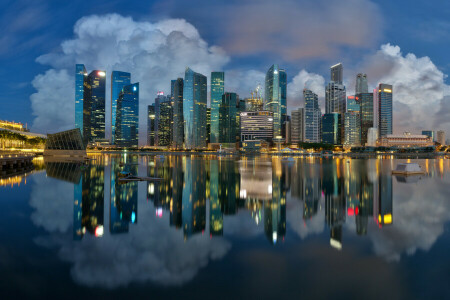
440,137
65,144
256,125
405,140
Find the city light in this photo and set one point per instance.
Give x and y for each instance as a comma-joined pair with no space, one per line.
101,73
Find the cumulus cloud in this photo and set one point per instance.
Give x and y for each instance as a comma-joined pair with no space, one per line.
154,53
290,29
419,87
302,80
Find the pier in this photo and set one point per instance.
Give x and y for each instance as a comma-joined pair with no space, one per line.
10,163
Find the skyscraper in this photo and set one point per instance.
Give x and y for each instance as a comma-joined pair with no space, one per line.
337,73
335,96
361,84
313,117
366,114
298,125
227,118
194,109
385,104
127,117
151,130
118,81
160,98
331,128
352,129
164,122
208,125
217,90
276,98
94,106
80,78
178,120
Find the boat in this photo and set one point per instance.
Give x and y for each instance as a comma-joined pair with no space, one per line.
408,169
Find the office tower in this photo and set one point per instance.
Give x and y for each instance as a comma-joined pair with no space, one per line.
160,98
227,118
118,81
256,125
429,133
178,120
194,109
331,129
361,84
441,137
313,117
366,113
353,103
335,96
208,125
337,73
151,128
80,78
298,125
127,117
94,106
276,98
164,122
352,129
217,90
385,116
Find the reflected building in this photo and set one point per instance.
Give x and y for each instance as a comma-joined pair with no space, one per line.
275,209
215,203
256,180
310,191
229,186
383,206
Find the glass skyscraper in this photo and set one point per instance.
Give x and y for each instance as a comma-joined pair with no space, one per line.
217,90
127,117
94,106
352,128
313,117
337,73
366,114
164,123
118,81
385,116
276,98
331,128
194,109
227,118
160,98
80,77
151,125
178,120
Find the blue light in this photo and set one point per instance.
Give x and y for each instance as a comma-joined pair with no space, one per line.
133,217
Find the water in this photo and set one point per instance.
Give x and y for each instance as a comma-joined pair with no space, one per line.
229,228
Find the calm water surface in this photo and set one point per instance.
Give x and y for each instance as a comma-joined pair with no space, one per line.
226,229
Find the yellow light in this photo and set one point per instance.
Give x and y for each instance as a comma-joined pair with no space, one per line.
387,219
379,218
387,90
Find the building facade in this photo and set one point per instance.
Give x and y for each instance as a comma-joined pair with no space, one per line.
440,137
405,140
361,84
298,125
352,129
178,119
276,98
429,133
227,118
256,125
118,81
217,90
337,73
94,106
385,109
151,128
127,117
164,123
194,109
313,117
331,128
80,78
366,114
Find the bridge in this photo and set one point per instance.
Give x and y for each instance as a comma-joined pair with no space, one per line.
14,162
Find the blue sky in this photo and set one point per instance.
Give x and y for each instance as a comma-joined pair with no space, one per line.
304,35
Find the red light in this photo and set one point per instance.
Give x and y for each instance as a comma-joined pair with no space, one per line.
350,211
351,97
356,210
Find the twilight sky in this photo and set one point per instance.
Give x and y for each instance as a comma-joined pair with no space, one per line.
400,42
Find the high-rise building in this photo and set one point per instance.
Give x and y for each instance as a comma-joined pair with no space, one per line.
429,133
194,109
217,90
366,114
337,73
372,137
118,81
298,125
164,122
331,129
440,137
385,116
353,103
276,98
352,129
361,84
178,120
151,128
208,125
313,117
127,117
80,78
335,96
256,125
227,118
94,106
160,98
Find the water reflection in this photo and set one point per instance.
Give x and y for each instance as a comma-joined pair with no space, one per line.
196,207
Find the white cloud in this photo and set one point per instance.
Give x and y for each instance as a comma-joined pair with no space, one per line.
154,53
302,80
